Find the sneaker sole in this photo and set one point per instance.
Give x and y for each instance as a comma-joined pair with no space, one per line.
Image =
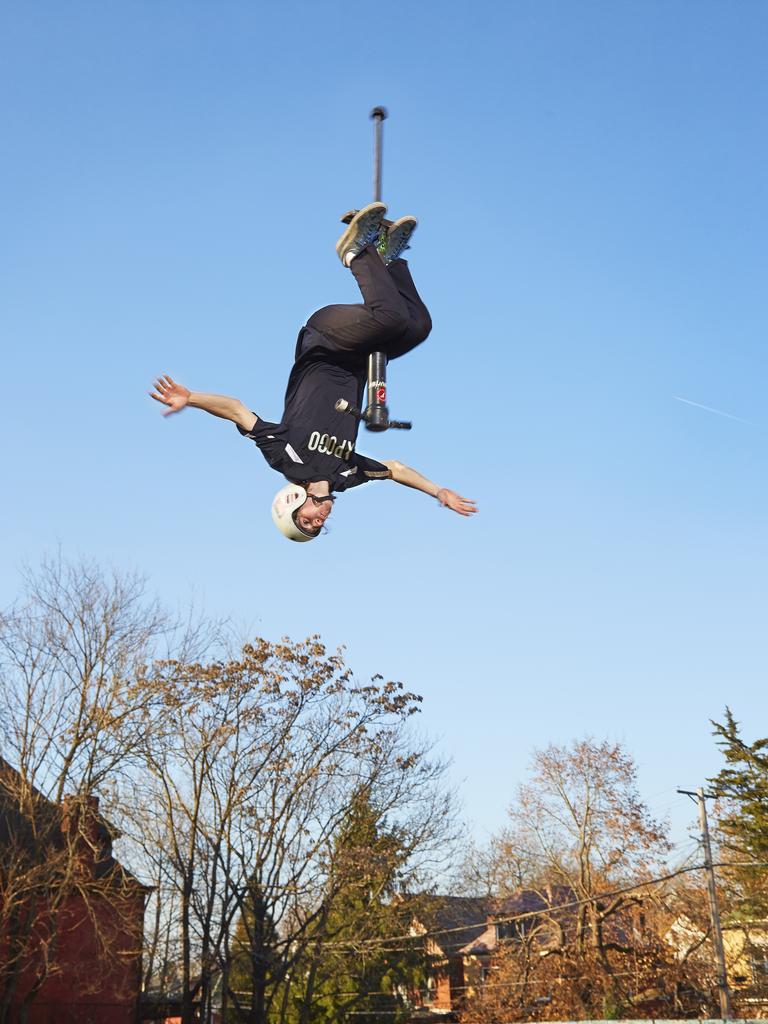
372,214
405,226
347,218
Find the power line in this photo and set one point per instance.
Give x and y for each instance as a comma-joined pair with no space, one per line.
485,985
572,905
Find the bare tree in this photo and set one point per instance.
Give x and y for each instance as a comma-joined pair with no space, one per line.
228,778
250,769
72,719
495,870
69,651
587,843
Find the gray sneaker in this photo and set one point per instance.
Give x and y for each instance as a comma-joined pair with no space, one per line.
398,235
363,230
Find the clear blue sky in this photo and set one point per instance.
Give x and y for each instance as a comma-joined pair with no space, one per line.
592,187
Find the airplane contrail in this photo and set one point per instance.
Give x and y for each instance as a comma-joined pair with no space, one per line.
717,412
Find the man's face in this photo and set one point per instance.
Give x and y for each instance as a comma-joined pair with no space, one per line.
314,512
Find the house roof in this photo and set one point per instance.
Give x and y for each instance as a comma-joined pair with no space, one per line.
467,924
455,922
532,901
43,826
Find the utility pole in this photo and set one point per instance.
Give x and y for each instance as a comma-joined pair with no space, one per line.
717,934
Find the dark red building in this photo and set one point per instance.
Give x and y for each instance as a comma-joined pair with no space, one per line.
71,917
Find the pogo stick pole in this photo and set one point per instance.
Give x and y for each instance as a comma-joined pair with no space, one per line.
376,416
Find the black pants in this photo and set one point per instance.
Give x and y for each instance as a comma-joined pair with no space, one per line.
391,318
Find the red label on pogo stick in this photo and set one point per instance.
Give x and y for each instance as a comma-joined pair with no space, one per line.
381,394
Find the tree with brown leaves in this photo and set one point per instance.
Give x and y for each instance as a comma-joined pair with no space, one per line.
250,769
588,844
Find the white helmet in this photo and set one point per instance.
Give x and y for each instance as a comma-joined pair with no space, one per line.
285,505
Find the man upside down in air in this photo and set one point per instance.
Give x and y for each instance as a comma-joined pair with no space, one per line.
313,445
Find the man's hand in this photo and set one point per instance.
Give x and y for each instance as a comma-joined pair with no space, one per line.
174,396
452,500
411,478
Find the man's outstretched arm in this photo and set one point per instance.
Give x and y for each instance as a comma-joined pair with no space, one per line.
411,478
176,397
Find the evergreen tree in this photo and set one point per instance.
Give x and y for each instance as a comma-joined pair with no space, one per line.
743,816
352,971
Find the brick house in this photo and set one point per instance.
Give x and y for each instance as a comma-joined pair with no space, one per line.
459,940
462,934
71,917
